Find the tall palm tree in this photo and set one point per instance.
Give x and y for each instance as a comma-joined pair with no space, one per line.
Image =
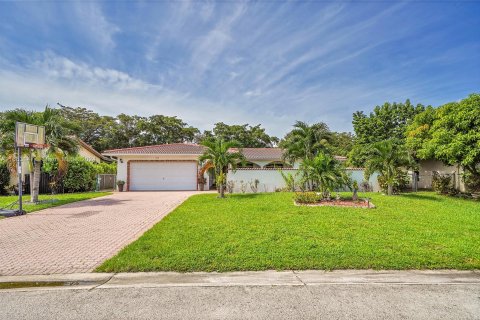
57,135
222,155
306,141
324,172
387,157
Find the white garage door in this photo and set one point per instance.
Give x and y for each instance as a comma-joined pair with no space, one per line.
163,176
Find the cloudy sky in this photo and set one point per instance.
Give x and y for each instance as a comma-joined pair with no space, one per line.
268,62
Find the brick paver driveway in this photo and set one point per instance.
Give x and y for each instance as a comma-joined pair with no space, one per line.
78,237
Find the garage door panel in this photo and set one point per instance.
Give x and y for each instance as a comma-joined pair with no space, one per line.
172,175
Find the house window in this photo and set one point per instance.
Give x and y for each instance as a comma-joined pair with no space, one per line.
248,164
277,165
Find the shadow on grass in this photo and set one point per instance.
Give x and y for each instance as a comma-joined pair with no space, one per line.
424,197
244,195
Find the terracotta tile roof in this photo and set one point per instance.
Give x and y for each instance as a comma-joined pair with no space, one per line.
270,154
274,154
173,148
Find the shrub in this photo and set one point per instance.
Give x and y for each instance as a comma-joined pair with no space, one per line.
81,175
4,177
230,186
307,197
442,184
399,185
105,168
472,182
254,185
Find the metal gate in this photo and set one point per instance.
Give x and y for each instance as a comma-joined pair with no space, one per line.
106,181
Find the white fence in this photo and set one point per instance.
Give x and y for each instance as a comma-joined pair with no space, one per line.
270,180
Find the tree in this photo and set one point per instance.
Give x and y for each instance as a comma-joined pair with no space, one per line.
246,135
341,143
222,155
305,141
323,173
450,134
58,134
122,131
387,157
388,121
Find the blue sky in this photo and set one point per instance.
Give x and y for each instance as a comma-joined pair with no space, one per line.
238,62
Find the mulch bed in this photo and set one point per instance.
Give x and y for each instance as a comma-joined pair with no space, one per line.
339,203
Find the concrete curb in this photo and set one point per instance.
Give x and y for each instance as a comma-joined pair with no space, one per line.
249,278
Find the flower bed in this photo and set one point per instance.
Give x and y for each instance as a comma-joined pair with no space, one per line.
314,199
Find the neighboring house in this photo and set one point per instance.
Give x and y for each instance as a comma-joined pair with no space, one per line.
427,167
175,166
86,151
263,165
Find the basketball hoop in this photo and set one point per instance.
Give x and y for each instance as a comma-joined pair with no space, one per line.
36,145
26,136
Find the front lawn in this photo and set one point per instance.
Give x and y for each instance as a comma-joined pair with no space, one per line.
265,231
62,199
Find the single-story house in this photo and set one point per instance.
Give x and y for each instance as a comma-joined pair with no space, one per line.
175,167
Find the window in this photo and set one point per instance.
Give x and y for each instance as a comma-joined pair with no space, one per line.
248,165
277,165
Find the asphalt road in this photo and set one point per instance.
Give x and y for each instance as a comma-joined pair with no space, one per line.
323,301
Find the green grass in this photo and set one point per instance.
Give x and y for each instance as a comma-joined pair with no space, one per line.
62,199
266,231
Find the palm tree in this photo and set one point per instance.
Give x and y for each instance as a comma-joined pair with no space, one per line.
325,173
306,141
57,135
221,155
387,158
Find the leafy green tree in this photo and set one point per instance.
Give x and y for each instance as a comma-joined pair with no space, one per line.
388,158
4,176
323,173
58,134
388,121
246,135
222,155
341,143
450,133
305,141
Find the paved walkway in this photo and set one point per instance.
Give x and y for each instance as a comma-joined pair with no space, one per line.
78,237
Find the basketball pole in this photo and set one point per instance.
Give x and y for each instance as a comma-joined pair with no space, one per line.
20,186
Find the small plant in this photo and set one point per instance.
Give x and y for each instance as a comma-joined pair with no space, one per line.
289,180
307,197
120,184
243,186
365,186
337,196
254,185
442,184
230,186
355,190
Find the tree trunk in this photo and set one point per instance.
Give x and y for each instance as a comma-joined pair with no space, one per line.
222,191
389,189
34,189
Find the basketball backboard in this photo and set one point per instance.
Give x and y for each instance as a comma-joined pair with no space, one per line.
29,135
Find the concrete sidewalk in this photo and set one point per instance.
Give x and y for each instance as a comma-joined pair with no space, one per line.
248,278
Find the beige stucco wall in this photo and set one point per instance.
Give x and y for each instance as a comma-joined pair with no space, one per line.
88,155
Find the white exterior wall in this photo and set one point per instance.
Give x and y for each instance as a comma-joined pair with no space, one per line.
426,168
271,179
